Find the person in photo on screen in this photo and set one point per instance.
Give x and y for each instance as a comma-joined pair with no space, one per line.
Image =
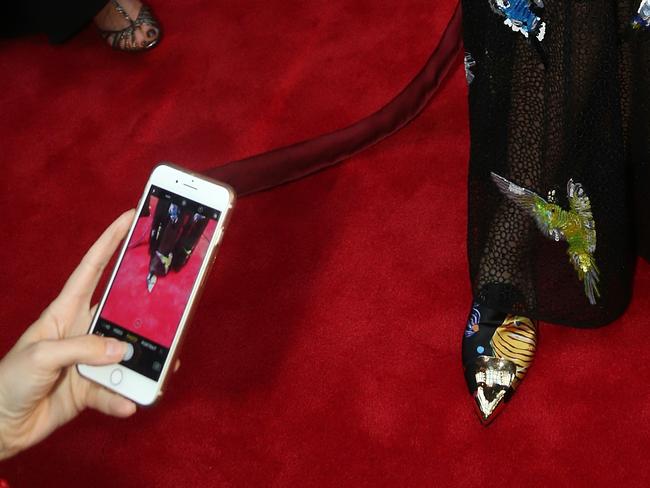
174,234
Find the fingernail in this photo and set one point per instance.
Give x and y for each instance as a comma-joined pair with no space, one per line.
114,347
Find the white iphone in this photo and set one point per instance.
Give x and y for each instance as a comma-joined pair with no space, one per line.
156,282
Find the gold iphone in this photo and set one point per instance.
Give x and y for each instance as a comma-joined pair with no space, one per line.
160,271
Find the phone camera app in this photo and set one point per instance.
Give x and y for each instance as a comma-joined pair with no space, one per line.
149,293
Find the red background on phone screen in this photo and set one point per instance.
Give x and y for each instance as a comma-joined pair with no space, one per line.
156,314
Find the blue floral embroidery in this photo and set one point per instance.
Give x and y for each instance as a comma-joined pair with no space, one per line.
520,16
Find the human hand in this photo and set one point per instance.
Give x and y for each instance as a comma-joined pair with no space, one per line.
40,388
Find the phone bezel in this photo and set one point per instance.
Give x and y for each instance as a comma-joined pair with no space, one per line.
204,191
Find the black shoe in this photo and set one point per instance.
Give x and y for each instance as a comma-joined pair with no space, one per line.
498,349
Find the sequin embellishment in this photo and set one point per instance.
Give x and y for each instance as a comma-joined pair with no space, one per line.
576,226
469,64
520,16
642,19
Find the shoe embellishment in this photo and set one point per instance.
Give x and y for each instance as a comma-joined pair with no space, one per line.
513,347
494,379
515,341
497,351
575,226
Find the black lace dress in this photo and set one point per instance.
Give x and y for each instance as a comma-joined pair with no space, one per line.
559,92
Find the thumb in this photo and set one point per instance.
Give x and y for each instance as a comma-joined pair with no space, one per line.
53,355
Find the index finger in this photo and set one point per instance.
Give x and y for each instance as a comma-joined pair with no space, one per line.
82,282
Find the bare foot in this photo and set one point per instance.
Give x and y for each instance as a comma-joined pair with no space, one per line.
127,25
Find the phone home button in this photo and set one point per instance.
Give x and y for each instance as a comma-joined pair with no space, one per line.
116,377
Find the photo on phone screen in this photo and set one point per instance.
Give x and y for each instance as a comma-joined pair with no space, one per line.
155,278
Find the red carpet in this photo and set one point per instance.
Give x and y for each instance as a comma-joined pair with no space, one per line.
326,350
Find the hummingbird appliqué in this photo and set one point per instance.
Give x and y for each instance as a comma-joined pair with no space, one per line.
576,226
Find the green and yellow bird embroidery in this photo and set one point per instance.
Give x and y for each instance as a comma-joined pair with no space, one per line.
575,226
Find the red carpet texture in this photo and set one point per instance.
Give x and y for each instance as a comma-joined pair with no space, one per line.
326,349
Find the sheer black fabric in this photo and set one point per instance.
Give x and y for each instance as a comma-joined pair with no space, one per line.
571,106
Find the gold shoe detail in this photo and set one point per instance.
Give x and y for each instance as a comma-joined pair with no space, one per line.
494,380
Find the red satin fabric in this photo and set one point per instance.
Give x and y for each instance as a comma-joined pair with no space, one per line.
290,163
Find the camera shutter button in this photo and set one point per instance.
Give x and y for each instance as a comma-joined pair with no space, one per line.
128,354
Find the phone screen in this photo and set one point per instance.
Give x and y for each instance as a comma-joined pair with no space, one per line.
155,278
